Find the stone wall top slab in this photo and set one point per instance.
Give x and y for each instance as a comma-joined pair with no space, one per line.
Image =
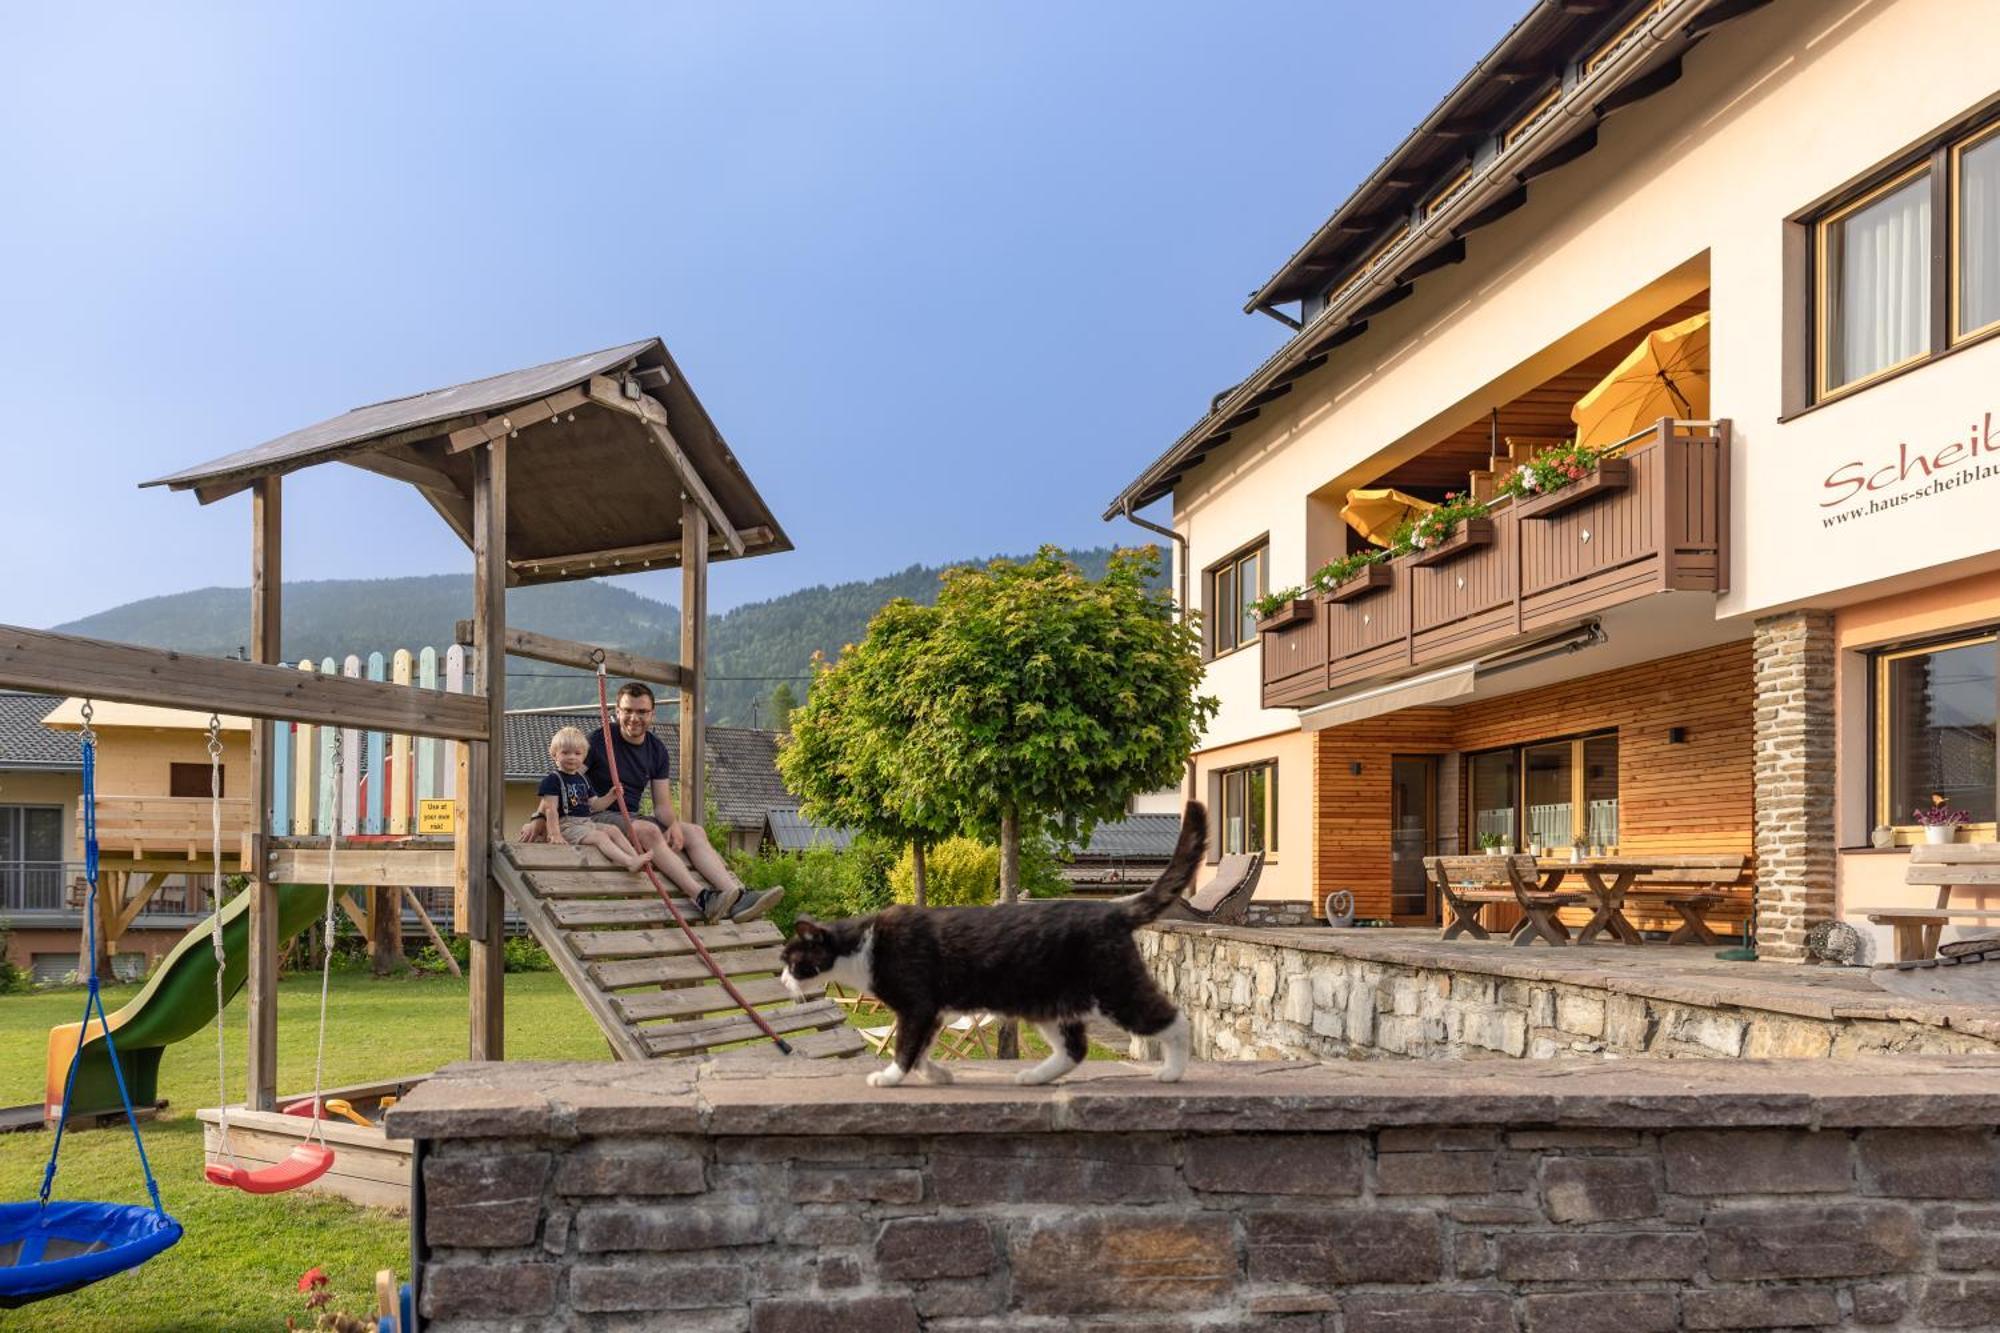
752,1093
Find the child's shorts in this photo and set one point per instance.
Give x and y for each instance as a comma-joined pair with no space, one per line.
575,828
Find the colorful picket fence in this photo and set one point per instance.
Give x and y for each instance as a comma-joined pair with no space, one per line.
383,775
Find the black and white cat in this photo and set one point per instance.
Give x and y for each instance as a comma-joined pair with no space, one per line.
1053,963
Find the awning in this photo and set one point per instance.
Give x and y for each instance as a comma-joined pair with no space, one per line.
1436,687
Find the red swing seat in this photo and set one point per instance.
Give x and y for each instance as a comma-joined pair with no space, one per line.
302,1166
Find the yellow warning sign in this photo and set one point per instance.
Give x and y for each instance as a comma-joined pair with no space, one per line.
435,816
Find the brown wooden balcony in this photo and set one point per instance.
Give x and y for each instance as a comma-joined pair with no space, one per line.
1547,562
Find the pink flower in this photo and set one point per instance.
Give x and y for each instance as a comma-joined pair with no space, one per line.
313,1279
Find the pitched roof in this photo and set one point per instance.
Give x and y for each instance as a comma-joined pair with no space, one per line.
743,779
1133,838
1532,104
28,746
789,831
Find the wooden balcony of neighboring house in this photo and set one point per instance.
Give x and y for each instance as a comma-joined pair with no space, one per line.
168,832
1658,524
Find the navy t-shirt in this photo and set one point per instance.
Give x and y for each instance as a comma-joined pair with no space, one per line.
638,765
572,792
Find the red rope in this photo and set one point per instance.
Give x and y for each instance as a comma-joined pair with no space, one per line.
618,786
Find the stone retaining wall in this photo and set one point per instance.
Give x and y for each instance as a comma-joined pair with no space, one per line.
762,1195
1266,994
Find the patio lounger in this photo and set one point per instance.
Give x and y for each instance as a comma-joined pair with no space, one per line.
1224,900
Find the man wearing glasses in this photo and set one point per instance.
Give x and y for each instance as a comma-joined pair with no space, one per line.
672,843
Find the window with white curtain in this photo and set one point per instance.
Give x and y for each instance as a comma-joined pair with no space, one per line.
1876,285
1976,236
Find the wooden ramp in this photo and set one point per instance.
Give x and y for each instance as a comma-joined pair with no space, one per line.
635,971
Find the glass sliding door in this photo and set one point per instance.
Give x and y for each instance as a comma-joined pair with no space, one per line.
1494,782
1412,835
1552,794
1600,791
1549,773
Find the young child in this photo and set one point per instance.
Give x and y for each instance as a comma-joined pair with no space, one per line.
567,803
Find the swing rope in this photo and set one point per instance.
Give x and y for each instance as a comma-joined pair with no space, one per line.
93,999
618,786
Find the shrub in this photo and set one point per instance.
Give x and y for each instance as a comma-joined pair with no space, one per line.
520,952
13,980
821,882
964,872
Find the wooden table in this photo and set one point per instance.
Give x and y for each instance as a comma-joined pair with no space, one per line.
1607,898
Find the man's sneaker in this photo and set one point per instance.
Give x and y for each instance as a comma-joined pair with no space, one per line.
755,905
716,903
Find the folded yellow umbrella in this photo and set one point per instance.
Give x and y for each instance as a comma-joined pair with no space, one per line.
1666,375
1377,513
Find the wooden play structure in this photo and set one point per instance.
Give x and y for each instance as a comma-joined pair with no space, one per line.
600,464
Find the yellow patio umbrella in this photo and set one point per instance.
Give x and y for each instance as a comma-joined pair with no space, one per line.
1377,513
1666,375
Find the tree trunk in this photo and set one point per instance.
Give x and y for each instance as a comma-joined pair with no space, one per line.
917,873
385,913
1008,1041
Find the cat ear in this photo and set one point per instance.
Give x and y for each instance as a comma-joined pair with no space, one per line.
804,927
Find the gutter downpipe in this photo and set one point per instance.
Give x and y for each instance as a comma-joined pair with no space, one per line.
1187,609
1490,184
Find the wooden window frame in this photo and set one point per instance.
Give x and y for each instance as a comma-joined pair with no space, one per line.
1219,783
1579,816
1808,313
1908,834
1211,581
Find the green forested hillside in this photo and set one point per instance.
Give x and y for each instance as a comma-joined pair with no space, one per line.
751,648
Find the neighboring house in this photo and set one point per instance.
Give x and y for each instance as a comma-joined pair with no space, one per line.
1122,856
1780,631
787,831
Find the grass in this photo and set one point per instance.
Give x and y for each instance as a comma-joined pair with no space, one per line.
238,1263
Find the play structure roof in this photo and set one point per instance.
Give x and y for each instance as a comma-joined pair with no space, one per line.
68,716
591,490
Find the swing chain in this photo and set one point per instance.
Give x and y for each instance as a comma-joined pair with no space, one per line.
89,735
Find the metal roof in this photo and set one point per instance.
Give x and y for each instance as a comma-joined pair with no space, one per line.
1532,104
789,831
743,779
585,481
1133,838
28,746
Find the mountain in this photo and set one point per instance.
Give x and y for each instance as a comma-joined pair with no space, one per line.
751,648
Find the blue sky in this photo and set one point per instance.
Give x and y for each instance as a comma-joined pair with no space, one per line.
947,275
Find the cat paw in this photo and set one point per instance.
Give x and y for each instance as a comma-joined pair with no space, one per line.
1168,1076
885,1078
937,1074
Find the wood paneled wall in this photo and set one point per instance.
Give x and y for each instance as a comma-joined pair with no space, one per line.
1695,796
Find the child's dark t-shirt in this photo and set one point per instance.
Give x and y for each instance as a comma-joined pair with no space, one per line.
572,793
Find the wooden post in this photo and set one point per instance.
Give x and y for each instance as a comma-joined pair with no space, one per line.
487,778
694,644
266,619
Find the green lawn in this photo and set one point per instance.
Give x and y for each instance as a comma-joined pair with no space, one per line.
238,1264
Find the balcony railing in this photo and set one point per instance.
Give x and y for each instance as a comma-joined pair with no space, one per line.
166,828
1536,565
58,887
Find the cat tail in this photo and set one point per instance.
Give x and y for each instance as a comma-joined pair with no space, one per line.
1174,880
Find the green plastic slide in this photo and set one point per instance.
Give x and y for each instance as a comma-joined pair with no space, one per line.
177,1002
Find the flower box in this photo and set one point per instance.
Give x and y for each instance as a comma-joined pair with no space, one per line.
1297,611
1369,578
1472,533
1610,474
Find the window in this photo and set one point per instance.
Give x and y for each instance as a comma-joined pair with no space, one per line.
31,858
1232,586
1249,802
1935,710
1561,792
1883,296
192,780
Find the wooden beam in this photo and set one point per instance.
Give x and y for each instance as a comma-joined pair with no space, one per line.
267,528
500,425
135,902
66,664
421,475
606,393
430,929
570,653
363,864
488,775
621,559
694,645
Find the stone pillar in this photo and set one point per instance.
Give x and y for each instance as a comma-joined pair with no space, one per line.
1794,662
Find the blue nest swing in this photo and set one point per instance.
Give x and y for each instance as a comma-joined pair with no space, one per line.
51,1247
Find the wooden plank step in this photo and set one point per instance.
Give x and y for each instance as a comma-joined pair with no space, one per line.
595,944
686,1001
574,913
686,970
707,1033
536,857
829,1044
583,884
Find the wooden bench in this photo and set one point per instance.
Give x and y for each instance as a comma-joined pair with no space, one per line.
1946,867
1691,886
1465,884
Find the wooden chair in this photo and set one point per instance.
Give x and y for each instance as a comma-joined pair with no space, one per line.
967,1037
1917,929
1224,900
1465,884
